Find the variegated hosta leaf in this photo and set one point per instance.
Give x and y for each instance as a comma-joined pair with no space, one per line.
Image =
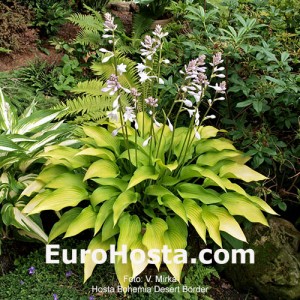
13,216
35,120
7,115
62,225
175,237
154,236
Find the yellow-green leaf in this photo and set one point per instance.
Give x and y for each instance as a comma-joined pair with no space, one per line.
66,179
175,204
240,205
235,170
101,153
62,225
61,198
96,243
103,193
102,168
154,236
213,225
102,137
196,191
194,214
175,237
130,228
141,174
85,220
124,200
227,222
104,211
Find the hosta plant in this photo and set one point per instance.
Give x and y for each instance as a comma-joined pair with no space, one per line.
22,138
140,180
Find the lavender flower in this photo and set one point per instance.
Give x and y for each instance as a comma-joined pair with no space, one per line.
91,297
109,23
22,282
55,297
112,85
129,114
69,274
151,101
31,270
219,88
158,32
150,47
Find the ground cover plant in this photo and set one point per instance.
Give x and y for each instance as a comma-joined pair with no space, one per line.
137,181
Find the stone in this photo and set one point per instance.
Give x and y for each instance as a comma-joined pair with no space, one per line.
276,272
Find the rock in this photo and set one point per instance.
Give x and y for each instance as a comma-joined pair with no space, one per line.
276,272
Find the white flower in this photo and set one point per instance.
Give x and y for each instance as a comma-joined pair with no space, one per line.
190,111
188,103
166,61
210,117
107,58
209,102
121,68
144,76
147,141
220,75
220,99
161,81
103,50
170,125
156,123
219,88
116,102
197,134
113,115
129,114
140,67
116,131
136,125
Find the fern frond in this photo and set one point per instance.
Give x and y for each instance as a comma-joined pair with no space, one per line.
86,106
141,24
89,87
88,22
89,38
